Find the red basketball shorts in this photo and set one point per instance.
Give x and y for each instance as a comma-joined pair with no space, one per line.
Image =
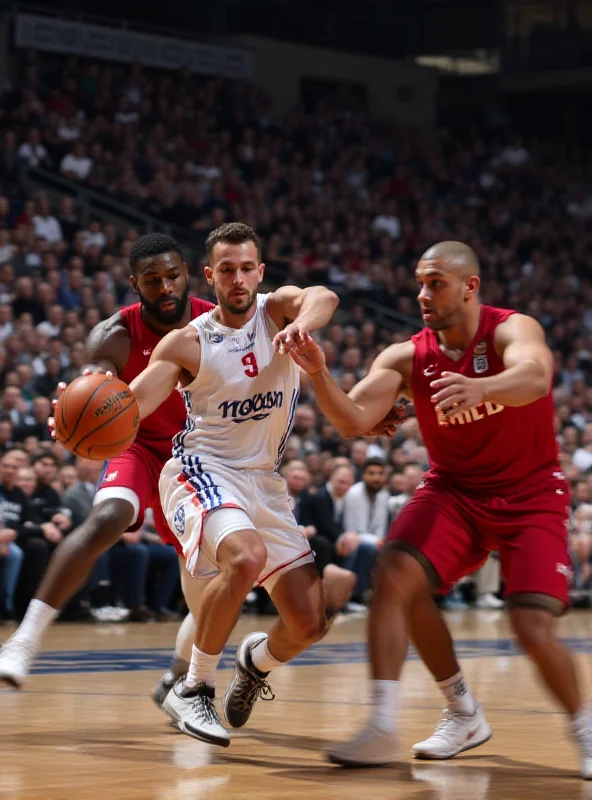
134,476
456,529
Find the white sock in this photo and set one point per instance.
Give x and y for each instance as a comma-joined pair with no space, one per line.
457,694
262,658
385,698
38,618
202,668
581,719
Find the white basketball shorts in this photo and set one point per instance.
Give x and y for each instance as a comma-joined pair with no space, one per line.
204,502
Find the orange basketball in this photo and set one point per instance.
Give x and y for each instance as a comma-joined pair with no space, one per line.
97,417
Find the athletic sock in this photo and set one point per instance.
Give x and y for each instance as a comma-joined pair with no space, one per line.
202,668
37,619
385,699
457,694
262,659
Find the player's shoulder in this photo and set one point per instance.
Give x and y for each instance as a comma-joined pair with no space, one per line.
515,325
179,337
111,329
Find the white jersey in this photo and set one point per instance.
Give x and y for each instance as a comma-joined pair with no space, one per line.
241,405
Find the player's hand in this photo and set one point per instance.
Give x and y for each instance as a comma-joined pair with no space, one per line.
456,392
61,389
51,532
390,424
308,355
293,335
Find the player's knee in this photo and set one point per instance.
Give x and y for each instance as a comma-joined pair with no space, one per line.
533,628
104,526
399,577
245,565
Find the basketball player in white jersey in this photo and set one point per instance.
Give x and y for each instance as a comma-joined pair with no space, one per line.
221,493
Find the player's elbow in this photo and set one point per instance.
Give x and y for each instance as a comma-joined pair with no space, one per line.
324,295
349,429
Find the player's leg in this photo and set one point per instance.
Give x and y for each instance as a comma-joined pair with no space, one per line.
297,594
192,591
338,586
225,548
119,505
536,568
428,546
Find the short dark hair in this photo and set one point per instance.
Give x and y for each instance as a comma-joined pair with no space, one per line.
153,244
373,462
232,233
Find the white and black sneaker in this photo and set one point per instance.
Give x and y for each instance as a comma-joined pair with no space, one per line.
247,685
16,658
163,687
193,711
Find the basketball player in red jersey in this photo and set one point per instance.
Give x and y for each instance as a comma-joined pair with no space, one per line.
122,345
480,378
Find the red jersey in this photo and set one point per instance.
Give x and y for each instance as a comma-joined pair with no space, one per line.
491,446
157,430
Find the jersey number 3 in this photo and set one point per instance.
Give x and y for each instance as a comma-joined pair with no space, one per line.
250,363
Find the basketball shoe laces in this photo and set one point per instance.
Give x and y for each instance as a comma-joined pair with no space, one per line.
448,723
249,688
203,704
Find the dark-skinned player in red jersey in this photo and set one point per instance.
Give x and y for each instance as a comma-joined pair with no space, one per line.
121,345
480,378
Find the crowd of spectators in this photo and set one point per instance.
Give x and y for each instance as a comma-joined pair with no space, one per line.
339,197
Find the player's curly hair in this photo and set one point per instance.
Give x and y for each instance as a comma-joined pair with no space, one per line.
232,233
152,244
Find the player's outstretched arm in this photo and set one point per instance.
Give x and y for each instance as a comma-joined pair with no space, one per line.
304,310
176,353
368,402
528,373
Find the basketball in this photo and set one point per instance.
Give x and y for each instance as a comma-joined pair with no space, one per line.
97,417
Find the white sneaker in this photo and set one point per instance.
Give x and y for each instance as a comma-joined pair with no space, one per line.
194,713
16,658
371,747
488,601
454,734
582,735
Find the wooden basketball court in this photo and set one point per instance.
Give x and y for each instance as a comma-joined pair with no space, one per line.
87,728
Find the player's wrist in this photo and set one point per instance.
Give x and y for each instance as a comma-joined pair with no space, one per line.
320,374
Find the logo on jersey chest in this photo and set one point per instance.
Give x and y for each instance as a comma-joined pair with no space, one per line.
252,407
215,338
480,362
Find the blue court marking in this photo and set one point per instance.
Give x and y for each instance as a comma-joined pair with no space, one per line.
73,661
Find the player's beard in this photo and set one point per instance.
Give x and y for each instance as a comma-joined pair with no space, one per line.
241,307
166,317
